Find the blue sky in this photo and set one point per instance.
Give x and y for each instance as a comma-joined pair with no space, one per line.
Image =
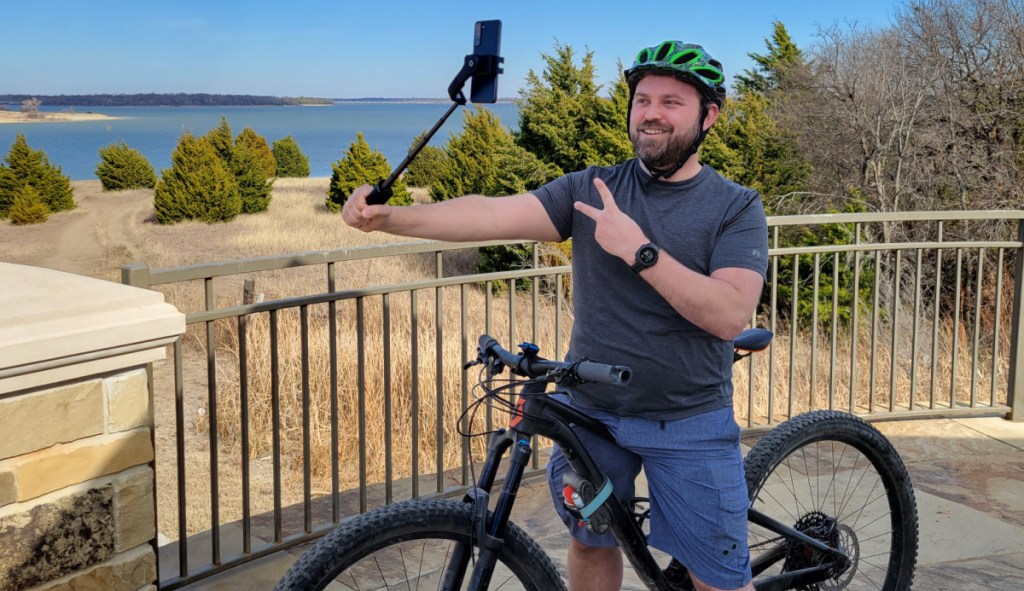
347,48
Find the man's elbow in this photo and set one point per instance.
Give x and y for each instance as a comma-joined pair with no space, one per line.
731,328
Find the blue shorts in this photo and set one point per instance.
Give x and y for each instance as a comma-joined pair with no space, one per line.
698,495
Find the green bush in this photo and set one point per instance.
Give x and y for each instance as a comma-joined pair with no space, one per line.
221,140
291,162
262,155
483,159
254,168
25,166
28,207
426,167
360,166
122,168
197,186
254,186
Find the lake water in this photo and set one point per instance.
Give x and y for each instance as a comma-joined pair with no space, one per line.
323,133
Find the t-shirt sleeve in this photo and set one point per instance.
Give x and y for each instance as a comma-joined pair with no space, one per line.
743,240
557,197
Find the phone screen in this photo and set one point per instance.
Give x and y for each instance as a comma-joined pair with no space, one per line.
486,42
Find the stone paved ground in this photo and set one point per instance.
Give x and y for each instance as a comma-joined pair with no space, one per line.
968,477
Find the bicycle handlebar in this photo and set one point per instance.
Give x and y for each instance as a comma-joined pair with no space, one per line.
529,364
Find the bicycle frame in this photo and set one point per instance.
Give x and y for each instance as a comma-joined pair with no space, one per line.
539,414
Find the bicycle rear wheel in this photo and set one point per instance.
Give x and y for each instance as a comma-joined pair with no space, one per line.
835,477
409,546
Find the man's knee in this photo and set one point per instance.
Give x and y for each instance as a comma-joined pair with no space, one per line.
586,552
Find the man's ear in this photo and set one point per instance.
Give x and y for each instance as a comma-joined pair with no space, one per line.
712,115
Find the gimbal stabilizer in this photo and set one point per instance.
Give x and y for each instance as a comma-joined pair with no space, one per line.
474,65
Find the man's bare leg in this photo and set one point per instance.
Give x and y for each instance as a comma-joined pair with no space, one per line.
594,569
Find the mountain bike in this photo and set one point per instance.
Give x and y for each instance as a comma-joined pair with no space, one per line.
831,504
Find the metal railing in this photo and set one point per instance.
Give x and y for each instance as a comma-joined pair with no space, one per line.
292,413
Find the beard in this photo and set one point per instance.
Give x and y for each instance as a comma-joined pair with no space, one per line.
659,153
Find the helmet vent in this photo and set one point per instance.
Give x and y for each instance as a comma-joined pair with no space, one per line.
712,75
663,50
684,57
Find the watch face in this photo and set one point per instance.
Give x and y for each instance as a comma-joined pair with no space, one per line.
647,255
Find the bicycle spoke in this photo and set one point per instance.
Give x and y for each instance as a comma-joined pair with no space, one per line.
833,477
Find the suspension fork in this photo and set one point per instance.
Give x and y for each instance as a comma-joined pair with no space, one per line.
489,534
479,498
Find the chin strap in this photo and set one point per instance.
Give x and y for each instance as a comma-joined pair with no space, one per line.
664,173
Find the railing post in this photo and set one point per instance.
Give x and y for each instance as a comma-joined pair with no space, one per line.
1015,384
136,275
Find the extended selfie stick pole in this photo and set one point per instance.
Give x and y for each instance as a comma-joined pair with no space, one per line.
474,65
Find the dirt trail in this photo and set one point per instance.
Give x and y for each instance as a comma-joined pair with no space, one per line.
94,239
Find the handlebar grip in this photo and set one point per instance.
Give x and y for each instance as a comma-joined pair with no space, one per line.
379,195
616,375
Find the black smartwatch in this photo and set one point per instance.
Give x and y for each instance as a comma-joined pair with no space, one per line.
646,257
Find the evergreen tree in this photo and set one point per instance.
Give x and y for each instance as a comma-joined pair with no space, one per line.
123,168
359,166
28,207
564,121
264,158
291,162
771,67
25,166
484,159
428,165
222,141
746,145
254,168
250,172
472,156
197,186
9,187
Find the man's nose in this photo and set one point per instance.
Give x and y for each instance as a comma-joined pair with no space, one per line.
652,113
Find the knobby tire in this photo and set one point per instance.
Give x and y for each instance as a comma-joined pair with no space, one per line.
823,466
402,546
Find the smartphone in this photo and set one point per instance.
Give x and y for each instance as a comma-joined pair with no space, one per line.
486,42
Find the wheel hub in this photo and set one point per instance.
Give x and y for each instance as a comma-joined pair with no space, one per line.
830,532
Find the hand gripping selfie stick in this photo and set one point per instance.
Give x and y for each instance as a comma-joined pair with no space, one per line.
483,66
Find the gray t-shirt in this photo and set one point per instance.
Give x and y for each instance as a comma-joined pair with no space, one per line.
706,223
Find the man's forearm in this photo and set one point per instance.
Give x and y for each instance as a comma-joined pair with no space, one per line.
474,218
721,304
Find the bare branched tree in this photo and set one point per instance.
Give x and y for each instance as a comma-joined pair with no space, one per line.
925,114
31,107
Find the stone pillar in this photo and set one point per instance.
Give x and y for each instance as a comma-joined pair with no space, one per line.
76,454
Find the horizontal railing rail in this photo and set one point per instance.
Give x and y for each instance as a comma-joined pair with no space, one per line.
292,413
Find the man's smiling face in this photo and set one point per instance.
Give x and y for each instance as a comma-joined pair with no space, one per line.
664,120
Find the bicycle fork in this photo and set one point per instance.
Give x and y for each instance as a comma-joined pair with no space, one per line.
489,533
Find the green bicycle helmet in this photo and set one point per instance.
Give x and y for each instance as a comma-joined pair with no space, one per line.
689,63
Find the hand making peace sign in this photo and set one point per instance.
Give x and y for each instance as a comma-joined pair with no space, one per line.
616,232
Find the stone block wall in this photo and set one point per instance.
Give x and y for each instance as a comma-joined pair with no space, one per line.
76,486
77,492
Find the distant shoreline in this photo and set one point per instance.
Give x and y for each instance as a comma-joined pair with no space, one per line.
50,117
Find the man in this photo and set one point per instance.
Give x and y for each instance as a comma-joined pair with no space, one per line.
668,264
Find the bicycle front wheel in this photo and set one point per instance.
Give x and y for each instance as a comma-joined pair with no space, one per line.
411,545
835,477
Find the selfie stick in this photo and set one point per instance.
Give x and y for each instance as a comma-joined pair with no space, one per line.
474,65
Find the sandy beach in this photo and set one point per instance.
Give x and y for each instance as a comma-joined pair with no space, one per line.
49,117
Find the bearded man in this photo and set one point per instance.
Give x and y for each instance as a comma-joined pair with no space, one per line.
668,257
